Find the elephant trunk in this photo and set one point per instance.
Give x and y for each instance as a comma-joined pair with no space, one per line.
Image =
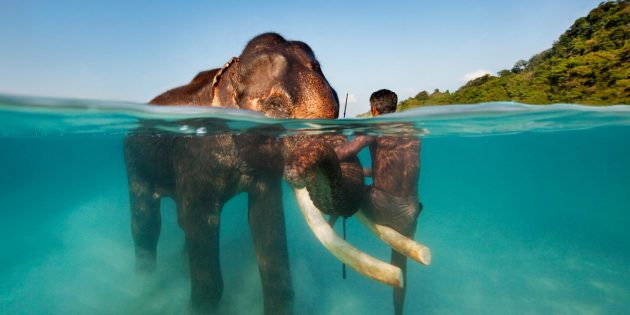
335,186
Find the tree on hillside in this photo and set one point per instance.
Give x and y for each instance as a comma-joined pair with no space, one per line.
504,73
424,95
519,66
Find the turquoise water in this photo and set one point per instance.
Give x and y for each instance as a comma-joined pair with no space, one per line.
527,211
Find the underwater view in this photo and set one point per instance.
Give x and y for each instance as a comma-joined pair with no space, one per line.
525,210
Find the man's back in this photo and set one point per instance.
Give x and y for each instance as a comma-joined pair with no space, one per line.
396,164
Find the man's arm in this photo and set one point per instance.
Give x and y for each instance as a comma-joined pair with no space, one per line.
353,147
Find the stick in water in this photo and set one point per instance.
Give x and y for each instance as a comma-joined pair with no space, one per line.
343,266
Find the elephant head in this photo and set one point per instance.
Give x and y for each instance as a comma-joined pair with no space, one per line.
273,76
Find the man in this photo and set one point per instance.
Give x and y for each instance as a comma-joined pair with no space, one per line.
393,197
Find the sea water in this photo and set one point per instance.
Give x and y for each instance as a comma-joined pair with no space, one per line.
526,211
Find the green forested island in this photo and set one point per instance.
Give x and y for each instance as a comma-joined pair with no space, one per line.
588,64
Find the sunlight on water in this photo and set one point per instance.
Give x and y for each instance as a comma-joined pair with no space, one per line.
526,212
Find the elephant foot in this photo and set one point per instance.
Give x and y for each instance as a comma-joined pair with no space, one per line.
281,303
203,307
145,260
205,299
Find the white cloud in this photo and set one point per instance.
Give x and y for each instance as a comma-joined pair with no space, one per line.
473,75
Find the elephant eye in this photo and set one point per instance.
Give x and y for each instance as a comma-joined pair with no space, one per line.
275,101
277,106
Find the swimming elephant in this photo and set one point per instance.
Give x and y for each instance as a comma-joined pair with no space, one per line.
280,79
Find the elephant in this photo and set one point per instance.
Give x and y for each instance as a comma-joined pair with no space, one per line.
280,79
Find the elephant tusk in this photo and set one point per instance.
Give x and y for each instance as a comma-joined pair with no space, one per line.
346,253
397,241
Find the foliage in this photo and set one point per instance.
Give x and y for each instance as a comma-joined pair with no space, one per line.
588,64
519,66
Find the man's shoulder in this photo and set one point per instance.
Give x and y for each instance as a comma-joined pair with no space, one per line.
397,140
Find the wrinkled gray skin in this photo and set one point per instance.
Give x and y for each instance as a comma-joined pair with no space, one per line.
201,173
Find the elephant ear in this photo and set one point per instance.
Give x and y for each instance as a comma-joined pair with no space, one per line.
225,89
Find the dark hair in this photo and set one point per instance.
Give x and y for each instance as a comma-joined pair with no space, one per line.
384,101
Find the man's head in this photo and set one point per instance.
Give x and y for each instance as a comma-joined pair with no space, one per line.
383,102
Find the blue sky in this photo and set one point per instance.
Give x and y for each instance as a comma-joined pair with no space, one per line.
134,50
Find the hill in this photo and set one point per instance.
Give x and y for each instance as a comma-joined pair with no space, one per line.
588,64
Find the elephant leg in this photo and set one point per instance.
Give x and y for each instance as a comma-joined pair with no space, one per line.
202,242
145,223
266,220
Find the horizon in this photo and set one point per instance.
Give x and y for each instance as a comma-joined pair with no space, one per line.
99,50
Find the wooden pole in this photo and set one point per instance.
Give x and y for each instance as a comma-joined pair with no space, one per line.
343,266
345,106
